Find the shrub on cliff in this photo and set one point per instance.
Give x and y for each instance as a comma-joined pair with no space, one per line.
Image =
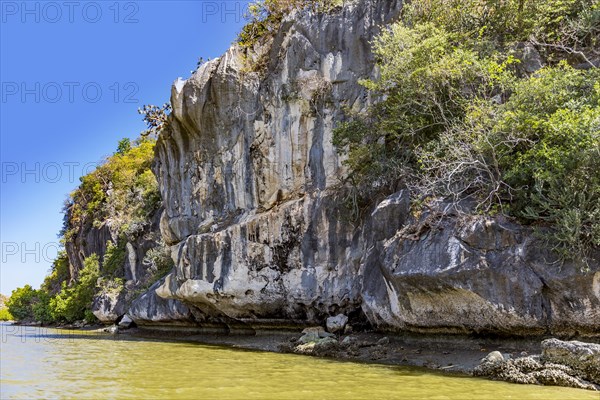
156,119
265,16
458,118
59,272
114,258
75,302
122,190
559,28
5,315
553,164
428,83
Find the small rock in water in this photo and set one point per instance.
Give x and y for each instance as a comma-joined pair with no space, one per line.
78,324
308,338
322,332
313,329
337,323
326,344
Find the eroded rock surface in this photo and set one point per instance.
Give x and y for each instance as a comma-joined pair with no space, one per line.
572,364
255,215
249,174
476,274
112,302
584,358
150,309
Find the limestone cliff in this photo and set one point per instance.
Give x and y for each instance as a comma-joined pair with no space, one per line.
254,215
88,239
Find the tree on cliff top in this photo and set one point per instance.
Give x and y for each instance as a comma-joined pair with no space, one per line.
155,117
265,16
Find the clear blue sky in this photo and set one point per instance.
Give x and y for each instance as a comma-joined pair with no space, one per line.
73,75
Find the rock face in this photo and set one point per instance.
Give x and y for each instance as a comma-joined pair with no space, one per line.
150,309
573,364
109,305
477,275
247,172
255,218
584,358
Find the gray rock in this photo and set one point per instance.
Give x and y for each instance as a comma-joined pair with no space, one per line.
476,274
349,341
108,306
125,322
308,338
584,358
494,357
247,168
531,59
322,347
149,309
337,323
314,334
76,324
326,344
318,330
259,233
562,367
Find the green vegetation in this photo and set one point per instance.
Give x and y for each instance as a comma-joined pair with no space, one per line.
461,117
123,193
59,273
265,16
114,258
124,146
5,315
74,302
155,117
70,303
123,189
20,303
159,262
264,20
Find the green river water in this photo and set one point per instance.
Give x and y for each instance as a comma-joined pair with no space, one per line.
49,364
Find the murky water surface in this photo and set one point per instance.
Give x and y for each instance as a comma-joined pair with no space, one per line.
55,364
